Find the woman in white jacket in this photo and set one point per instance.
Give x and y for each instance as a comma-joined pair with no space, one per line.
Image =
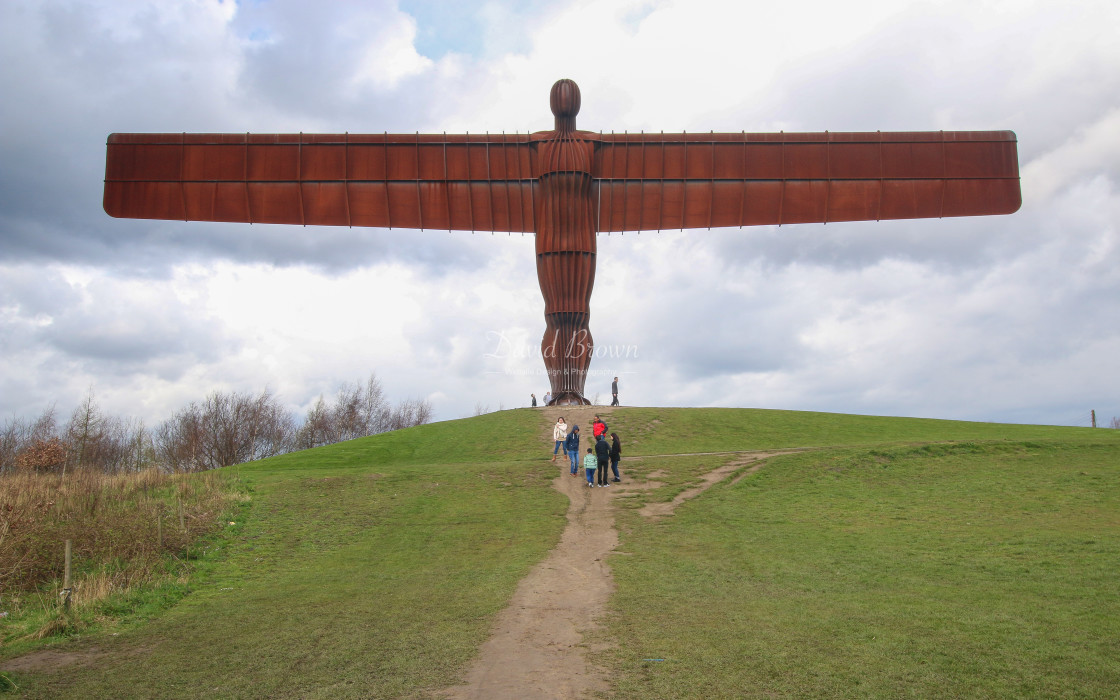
559,433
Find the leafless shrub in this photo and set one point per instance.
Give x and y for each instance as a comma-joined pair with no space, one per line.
13,437
225,429
317,428
358,411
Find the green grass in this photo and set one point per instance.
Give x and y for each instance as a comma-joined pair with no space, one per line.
902,558
685,430
970,570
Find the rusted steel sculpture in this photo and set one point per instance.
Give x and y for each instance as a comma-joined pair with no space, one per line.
563,185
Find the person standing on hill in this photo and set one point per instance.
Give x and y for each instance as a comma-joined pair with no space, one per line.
614,392
590,463
559,433
534,397
571,446
598,428
602,454
615,454
547,398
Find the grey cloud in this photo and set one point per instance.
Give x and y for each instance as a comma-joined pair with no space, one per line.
102,322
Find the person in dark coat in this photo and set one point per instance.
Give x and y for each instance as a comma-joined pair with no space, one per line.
602,454
614,392
571,446
615,454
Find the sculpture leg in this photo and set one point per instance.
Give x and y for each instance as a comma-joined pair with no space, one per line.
567,346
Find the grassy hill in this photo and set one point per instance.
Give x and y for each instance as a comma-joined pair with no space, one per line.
896,557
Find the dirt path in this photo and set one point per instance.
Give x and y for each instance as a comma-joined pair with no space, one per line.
755,459
536,649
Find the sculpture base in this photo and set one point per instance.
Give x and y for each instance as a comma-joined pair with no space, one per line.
569,398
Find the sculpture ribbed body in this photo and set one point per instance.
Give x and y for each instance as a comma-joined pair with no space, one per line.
566,252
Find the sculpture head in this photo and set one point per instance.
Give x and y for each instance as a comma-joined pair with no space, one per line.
564,100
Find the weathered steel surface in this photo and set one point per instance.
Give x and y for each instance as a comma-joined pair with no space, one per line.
640,182
462,183
674,181
566,246
565,186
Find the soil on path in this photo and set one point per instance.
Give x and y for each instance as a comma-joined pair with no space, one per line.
536,649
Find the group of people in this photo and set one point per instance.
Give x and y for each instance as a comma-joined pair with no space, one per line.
598,457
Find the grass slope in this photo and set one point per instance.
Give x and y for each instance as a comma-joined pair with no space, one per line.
981,566
877,565
366,569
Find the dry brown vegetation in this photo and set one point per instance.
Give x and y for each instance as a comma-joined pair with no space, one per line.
122,526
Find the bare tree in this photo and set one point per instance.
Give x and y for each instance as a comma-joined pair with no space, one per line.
423,413
178,440
45,426
226,429
347,417
84,433
138,453
411,412
13,436
375,407
360,411
240,428
273,427
316,429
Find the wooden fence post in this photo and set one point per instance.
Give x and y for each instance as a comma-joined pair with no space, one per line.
66,576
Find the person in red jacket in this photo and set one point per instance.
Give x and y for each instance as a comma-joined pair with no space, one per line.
598,427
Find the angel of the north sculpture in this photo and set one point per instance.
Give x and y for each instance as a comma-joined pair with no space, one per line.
565,186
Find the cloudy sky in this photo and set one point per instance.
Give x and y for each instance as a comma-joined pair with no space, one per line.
1013,319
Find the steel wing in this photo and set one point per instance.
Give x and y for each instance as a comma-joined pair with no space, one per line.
450,182
676,181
